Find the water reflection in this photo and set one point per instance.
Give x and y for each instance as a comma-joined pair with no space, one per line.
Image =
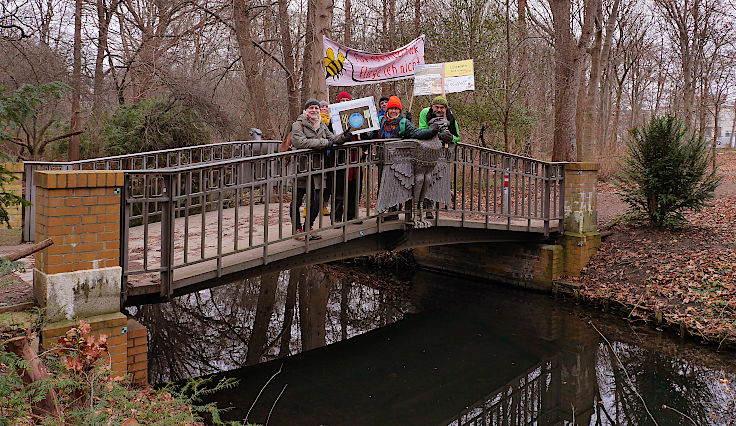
448,351
260,319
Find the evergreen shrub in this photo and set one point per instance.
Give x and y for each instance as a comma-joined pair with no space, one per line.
666,172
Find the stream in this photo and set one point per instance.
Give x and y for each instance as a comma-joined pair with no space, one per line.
328,345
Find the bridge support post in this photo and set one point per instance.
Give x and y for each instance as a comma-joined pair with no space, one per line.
14,234
79,276
581,238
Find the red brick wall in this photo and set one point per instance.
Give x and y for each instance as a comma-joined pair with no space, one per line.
137,352
80,212
112,325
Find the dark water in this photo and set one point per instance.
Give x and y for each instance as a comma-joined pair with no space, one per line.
358,349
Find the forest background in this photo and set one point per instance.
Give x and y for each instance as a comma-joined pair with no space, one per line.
555,79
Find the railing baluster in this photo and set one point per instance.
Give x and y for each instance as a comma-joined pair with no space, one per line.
167,238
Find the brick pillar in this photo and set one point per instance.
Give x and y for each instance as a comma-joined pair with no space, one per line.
581,239
79,276
14,234
137,352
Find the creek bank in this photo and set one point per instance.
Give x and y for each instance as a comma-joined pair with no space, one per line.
683,280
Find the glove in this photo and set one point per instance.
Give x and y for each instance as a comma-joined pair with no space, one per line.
434,127
408,115
347,135
436,124
445,137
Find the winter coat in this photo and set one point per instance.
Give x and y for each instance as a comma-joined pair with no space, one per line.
407,131
427,115
304,135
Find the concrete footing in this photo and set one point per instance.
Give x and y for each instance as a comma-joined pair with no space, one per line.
78,294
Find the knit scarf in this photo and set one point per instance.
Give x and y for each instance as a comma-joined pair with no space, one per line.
325,118
389,128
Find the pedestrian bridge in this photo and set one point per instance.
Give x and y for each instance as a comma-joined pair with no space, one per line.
195,217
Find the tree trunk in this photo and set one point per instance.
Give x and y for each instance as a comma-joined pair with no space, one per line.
73,153
566,83
303,291
506,80
391,20
348,24
289,62
523,52
307,57
716,132
322,28
295,275
264,310
580,111
591,102
103,17
250,58
616,116
417,18
568,69
344,306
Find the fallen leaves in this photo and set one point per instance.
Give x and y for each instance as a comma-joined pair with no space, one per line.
689,274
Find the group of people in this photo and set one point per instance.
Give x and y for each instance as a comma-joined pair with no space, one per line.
313,129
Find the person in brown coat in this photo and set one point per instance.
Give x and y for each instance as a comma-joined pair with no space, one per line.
309,131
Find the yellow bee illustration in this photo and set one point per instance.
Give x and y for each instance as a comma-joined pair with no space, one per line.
334,66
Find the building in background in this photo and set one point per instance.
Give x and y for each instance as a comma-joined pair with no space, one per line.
726,127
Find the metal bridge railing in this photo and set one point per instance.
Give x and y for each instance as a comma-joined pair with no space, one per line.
141,161
182,216
529,399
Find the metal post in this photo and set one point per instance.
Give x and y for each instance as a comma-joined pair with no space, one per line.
546,197
124,235
167,238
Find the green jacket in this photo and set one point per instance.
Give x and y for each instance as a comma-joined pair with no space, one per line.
426,115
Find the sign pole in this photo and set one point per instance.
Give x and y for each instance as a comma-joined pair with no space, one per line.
411,100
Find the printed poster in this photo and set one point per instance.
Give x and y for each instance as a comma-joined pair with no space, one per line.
359,115
457,76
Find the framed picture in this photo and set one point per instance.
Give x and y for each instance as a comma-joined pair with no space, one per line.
358,115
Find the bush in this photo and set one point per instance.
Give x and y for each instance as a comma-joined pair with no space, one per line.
161,123
666,172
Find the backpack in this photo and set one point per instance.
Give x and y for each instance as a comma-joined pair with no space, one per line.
286,143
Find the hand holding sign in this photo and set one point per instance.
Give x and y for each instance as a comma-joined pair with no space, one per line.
357,115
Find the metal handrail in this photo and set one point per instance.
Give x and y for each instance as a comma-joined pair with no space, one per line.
205,212
178,156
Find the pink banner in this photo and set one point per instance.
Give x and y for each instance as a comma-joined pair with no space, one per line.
349,67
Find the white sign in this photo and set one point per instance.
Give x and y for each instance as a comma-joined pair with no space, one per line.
350,67
359,115
456,76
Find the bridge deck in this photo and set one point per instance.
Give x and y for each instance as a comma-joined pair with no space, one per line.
251,252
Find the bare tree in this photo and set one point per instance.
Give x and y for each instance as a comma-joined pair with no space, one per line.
569,57
105,14
76,82
287,50
322,28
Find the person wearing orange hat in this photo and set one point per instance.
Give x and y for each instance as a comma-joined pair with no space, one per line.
395,125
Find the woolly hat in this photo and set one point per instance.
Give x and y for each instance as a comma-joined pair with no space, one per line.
323,103
440,100
394,102
383,98
310,102
344,95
